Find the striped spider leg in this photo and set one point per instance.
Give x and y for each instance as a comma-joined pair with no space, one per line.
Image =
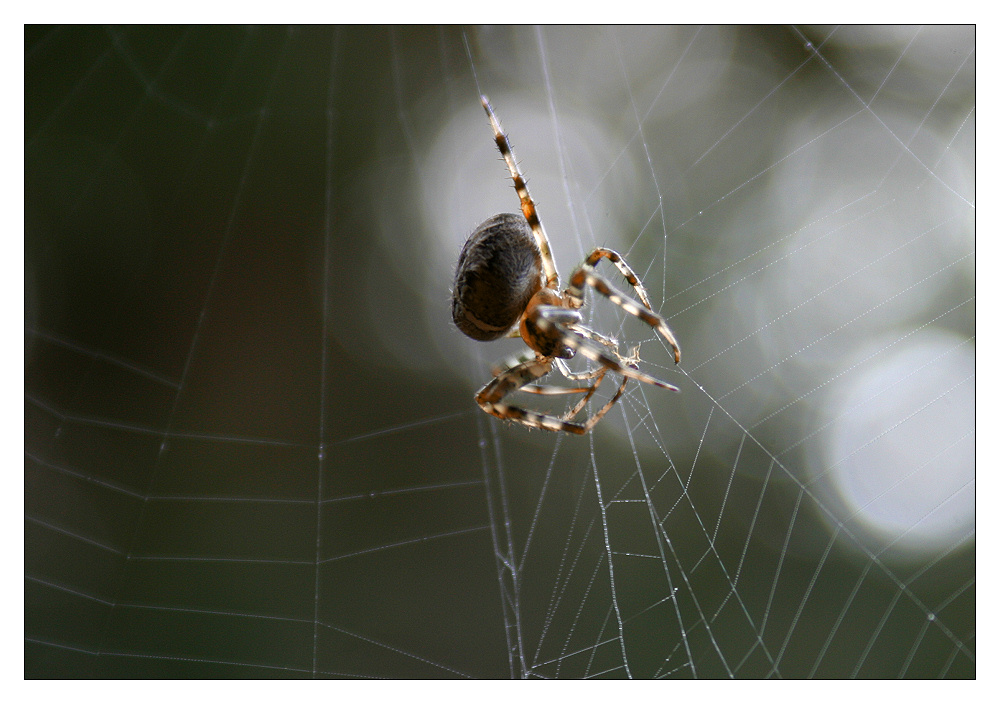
551,321
527,205
520,376
586,274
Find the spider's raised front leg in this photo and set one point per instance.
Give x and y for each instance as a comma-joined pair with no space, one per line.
521,376
586,274
527,204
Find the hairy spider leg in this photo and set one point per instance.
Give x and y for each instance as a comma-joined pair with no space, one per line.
591,350
549,390
545,390
631,361
605,340
527,205
616,259
517,377
511,380
585,274
592,421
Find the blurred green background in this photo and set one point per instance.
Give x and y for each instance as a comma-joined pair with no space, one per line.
251,448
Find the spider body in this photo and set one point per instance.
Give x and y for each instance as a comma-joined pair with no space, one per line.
499,270
506,284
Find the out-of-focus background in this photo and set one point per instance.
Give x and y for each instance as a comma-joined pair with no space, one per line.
251,448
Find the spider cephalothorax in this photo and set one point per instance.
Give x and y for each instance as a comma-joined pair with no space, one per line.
506,284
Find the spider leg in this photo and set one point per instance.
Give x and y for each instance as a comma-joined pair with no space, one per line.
585,274
518,377
527,205
544,390
631,361
592,351
507,382
511,380
609,342
596,336
596,416
577,376
576,291
512,361
548,390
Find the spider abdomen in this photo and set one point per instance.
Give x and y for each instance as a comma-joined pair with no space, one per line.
499,270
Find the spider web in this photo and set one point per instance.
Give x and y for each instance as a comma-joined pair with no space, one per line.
250,444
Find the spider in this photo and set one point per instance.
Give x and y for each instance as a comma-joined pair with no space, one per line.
506,277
